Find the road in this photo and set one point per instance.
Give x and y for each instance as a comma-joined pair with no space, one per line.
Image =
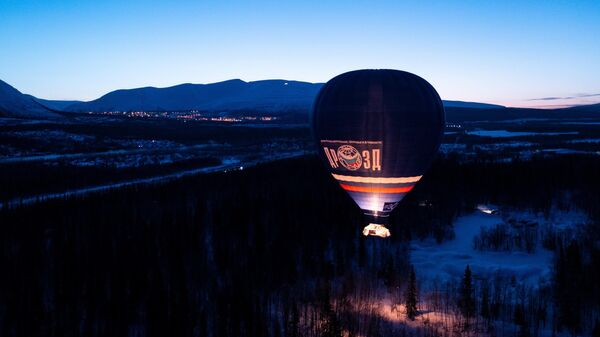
231,163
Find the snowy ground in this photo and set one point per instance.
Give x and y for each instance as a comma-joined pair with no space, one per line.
448,260
505,133
501,146
584,140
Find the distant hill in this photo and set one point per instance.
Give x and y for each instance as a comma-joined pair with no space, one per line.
473,114
471,105
54,104
270,95
15,104
594,108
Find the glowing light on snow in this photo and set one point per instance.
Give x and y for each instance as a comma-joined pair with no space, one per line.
487,209
376,230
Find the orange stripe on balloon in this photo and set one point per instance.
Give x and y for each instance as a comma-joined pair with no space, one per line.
377,180
367,189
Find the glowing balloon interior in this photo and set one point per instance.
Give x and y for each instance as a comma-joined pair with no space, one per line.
377,132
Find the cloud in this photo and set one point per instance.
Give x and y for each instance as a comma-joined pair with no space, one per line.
564,97
588,95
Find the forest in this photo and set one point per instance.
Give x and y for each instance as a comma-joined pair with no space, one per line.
277,250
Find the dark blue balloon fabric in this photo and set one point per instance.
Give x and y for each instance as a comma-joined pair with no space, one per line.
377,132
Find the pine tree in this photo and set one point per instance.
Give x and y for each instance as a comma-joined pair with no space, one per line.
596,331
466,303
521,321
411,296
568,280
485,303
292,322
330,326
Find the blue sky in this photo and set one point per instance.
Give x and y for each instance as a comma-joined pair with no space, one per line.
508,52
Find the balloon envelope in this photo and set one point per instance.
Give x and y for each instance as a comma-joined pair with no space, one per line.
377,132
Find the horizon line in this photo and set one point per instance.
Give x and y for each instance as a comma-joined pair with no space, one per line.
517,103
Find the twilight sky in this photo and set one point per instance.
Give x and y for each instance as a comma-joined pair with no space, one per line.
517,53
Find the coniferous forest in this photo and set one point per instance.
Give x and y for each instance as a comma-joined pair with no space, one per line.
277,250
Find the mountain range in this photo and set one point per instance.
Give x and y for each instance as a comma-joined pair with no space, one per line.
236,95
15,104
270,95
231,95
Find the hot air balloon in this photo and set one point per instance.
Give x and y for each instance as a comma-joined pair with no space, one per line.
377,132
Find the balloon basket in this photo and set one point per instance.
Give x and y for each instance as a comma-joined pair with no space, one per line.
373,229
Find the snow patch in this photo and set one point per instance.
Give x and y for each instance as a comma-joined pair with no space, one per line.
505,133
448,260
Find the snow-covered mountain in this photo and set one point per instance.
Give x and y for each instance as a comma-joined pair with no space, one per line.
15,104
229,95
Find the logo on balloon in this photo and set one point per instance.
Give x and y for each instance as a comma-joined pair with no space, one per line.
389,206
349,157
362,154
